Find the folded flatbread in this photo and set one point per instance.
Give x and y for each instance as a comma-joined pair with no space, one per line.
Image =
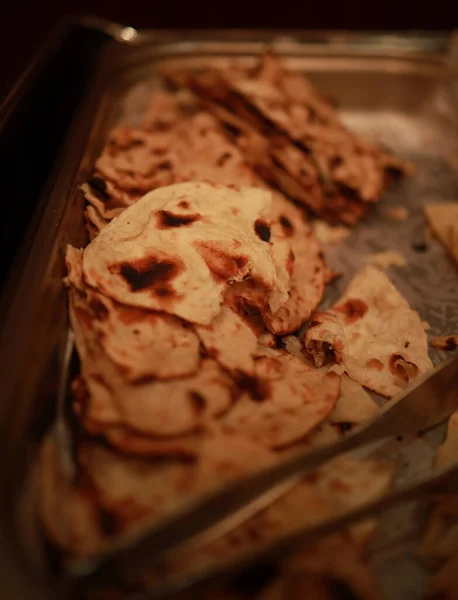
373,333
178,249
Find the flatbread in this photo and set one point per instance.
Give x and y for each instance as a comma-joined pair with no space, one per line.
94,221
294,137
308,270
354,405
307,504
169,251
443,218
119,436
296,251
373,333
69,517
230,340
141,343
149,407
123,494
179,145
284,402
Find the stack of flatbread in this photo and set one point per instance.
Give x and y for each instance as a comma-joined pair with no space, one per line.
294,137
183,307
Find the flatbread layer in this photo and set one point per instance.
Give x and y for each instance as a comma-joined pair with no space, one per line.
373,333
178,248
285,401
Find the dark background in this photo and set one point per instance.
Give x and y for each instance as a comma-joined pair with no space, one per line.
24,26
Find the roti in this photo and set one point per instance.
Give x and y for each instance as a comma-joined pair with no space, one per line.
297,252
123,494
307,152
307,504
171,252
373,333
284,401
150,406
308,270
230,340
141,343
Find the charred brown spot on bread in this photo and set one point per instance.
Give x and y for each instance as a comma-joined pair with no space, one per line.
290,262
223,159
257,388
375,363
198,402
183,204
287,226
353,309
98,308
399,370
167,219
262,230
149,272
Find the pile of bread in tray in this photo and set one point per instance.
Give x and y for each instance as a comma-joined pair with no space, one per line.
203,357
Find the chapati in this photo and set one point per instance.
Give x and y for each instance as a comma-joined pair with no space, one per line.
169,251
373,333
284,401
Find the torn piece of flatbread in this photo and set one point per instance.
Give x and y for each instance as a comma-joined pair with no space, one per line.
446,342
443,218
354,405
373,333
284,401
386,259
178,248
295,246
307,277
